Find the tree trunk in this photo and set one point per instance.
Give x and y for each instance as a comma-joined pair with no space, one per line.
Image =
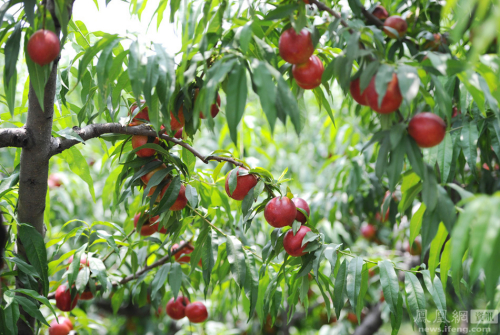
34,171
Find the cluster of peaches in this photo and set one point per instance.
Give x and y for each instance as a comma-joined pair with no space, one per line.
298,49
279,211
427,129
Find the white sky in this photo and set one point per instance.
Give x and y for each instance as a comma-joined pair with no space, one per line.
116,19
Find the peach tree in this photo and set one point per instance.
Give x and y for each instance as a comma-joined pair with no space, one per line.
405,96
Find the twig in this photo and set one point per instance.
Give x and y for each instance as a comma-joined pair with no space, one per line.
373,262
131,277
59,144
112,251
322,6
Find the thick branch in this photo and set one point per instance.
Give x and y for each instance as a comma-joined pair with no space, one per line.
14,137
372,18
136,275
59,144
371,323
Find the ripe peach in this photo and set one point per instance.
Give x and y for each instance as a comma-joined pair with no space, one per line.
63,299
397,23
142,115
392,98
243,184
43,47
177,124
356,94
196,312
368,231
308,74
138,141
63,327
296,48
302,204
280,212
380,13
176,307
178,134
149,227
427,129
147,177
293,243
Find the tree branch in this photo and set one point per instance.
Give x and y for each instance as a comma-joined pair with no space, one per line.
371,323
369,16
59,144
131,277
14,137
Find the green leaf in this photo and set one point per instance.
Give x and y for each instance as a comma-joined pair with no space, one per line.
409,81
135,70
236,93
23,266
117,299
340,287
281,11
414,156
31,308
246,36
29,10
35,295
79,166
469,137
484,232
236,259
99,270
445,264
442,98
430,188
35,251
446,209
251,283
82,279
436,246
266,89
436,290
395,166
91,52
286,103
159,279
445,156
11,52
398,317
415,298
207,258
353,280
390,284
381,164
175,279
11,313
362,291
356,6
233,180
192,196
